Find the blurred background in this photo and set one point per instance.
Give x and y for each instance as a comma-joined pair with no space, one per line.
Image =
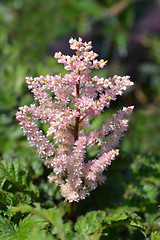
127,33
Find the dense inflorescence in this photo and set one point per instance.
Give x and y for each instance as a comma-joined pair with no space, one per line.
78,98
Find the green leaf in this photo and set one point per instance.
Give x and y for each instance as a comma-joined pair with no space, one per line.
155,236
91,223
126,217
51,215
7,198
10,232
6,229
40,235
9,213
95,236
15,183
118,216
13,173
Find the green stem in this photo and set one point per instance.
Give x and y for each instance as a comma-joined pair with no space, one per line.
70,210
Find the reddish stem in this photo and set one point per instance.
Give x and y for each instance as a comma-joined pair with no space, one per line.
76,128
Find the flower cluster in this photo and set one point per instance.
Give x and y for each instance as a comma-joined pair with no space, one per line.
66,106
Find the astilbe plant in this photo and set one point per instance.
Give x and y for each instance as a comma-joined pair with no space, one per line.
66,106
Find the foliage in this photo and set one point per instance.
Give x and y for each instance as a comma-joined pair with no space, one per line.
91,226
130,209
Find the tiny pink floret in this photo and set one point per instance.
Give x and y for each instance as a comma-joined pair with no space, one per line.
78,98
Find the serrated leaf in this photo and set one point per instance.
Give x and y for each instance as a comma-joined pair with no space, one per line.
6,229
118,216
95,236
51,215
90,223
9,212
155,236
13,173
6,198
16,182
40,235
10,232
126,217
31,221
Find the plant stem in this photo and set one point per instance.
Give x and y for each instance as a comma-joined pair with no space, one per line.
77,118
70,210
76,128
